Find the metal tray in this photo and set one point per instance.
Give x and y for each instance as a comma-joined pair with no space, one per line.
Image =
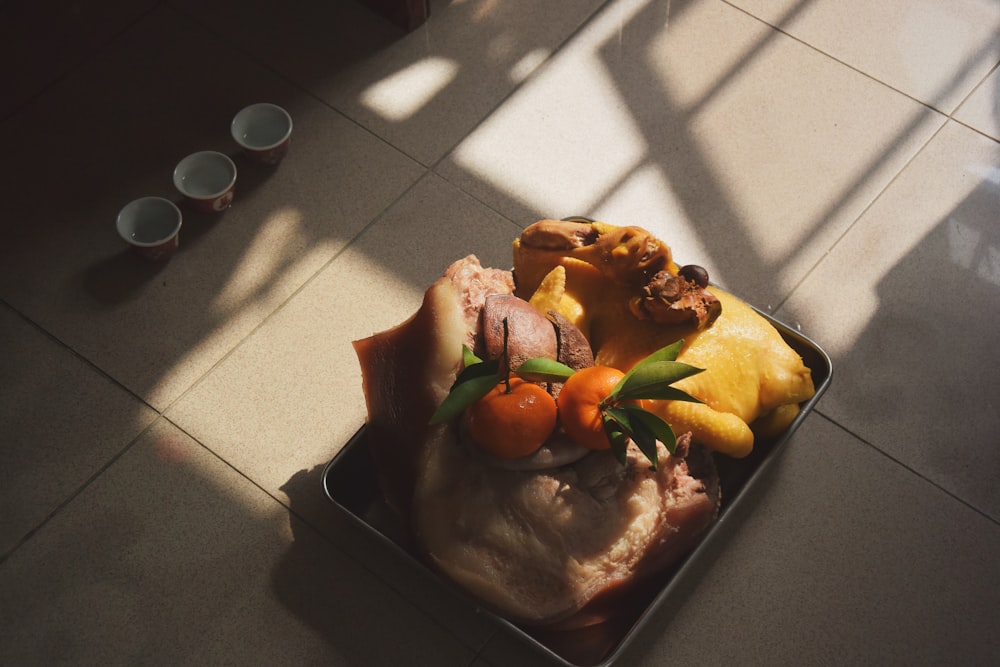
350,483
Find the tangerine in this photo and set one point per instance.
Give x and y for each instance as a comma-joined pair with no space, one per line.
580,405
512,422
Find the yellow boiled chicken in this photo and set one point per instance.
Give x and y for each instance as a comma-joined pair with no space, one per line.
621,287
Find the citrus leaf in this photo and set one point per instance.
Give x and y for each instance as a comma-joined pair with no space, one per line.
660,429
541,369
668,353
617,435
646,380
463,395
645,440
665,393
478,370
619,415
469,357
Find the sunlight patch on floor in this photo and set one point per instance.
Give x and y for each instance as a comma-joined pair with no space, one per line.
402,95
561,164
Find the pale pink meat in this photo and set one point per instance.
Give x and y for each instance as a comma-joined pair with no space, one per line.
543,547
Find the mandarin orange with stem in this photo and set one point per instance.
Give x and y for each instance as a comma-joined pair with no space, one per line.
513,420
582,401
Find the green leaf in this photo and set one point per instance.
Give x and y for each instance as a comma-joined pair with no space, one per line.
657,427
664,393
648,379
469,357
617,434
668,353
645,440
541,369
463,395
478,370
619,415
643,427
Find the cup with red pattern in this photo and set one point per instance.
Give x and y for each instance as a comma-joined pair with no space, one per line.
151,226
263,131
207,180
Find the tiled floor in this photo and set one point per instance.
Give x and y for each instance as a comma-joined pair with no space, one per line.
164,427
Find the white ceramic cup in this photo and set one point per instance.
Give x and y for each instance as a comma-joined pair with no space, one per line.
151,226
263,131
207,179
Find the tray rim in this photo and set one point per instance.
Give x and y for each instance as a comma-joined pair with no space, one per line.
682,571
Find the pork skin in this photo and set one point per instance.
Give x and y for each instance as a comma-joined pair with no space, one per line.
558,546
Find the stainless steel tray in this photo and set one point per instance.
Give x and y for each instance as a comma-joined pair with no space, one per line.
349,481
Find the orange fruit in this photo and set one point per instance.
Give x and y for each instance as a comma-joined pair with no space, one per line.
515,423
580,405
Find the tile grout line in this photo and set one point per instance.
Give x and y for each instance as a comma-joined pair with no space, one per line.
80,489
78,355
861,214
161,417
965,99
161,414
854,68
434,167
379,215
572,35
428,169
253,57
823,53
946,116
72,495
305,283
907,468
80,62
976,130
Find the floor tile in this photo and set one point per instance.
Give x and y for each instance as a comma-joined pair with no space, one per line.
906,305
62,421
931,51
172,557
843,557
749,155
41,42
157,328
838,556
432,86
981,111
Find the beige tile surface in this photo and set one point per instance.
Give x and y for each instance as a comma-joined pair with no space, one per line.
903,303
981,111
749,155
805,537
935,52
172,557
61,421
421,91
156,329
